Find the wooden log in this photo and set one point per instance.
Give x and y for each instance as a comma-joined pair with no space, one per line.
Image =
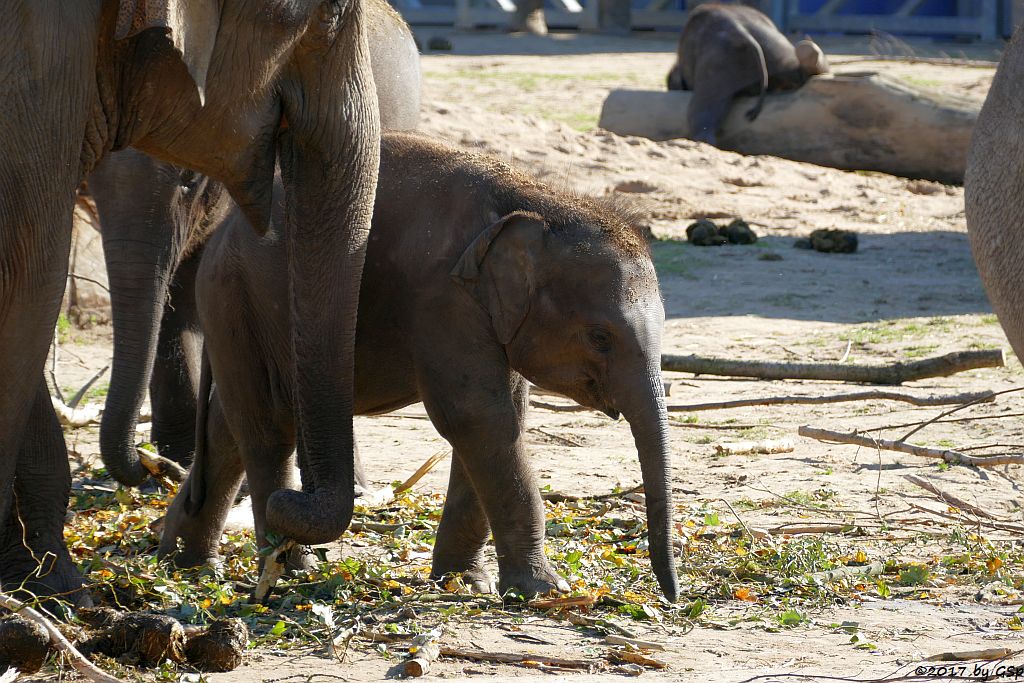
854,121
896,373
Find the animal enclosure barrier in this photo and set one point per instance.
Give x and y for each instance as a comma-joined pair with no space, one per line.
975,19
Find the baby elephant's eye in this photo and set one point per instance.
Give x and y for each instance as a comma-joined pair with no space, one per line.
600,339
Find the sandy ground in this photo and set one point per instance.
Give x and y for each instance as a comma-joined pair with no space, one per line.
910,291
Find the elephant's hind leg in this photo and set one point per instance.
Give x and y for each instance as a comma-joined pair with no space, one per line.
462,534
194,539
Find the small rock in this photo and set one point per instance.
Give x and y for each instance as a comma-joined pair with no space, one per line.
439,43
738,232
24,645
704,233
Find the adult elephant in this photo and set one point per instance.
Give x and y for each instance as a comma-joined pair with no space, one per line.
994,193
230,88
153,245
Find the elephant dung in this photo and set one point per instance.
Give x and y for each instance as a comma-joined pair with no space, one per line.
739,232
24,644
147,639
219,647
704,233
829,241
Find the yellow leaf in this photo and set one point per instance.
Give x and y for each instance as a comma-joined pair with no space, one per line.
205,604
743,593
861,557
741,551
993,565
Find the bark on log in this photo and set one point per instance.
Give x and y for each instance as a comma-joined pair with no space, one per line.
854,121
896,373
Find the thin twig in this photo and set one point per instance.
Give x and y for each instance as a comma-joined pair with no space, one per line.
949,498
430,463
953,410
77,398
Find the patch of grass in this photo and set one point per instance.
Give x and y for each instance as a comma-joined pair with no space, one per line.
671,257
63,328
921,82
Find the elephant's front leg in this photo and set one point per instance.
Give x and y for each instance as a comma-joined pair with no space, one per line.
463,533
32,552
486,431
195,519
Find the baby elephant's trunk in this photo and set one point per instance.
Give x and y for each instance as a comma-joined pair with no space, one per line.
648,420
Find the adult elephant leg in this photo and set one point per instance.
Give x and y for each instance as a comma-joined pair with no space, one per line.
192,537
529,17
175,380
32,550
462,533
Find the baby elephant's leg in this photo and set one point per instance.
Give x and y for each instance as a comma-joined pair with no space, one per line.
192,537
462,534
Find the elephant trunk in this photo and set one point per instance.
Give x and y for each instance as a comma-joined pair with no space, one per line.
138,276
644,409
329,158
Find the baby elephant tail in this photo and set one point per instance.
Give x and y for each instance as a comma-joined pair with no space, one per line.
197,474
811,57
761,66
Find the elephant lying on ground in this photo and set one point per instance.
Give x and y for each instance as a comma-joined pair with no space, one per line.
730,50
233,89
153,248
478,279
994,193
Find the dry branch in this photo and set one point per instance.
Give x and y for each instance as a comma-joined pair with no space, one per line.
506,658
422,653
76,417
82,665
765,446
991,654
273,569
952,399
873,569
612,639
161,467
950,456
422,471
896,373
949,498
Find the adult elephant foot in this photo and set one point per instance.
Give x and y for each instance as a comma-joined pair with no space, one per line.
532,22
49,573
33,557
537,578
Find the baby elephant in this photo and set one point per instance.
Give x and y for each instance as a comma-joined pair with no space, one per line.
477,280
730,50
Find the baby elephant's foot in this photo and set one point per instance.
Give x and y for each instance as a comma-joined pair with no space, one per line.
531,581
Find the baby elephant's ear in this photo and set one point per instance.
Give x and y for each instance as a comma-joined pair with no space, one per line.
192,26
500,269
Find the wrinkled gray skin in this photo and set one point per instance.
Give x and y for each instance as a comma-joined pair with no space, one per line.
994,193
730,50
545,287
153,245
82,78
